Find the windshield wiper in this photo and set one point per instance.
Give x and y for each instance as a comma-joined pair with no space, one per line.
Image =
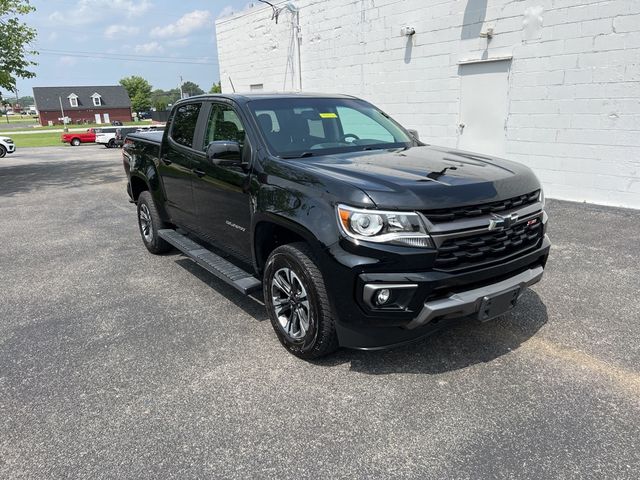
302,155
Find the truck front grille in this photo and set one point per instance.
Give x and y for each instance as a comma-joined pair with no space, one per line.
470,211
469,251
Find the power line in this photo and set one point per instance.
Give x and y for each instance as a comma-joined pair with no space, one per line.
161,57
122,58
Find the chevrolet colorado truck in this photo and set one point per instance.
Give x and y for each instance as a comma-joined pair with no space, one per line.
358,234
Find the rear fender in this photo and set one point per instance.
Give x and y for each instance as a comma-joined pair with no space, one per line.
144,168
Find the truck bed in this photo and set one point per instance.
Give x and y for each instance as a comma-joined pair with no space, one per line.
149,137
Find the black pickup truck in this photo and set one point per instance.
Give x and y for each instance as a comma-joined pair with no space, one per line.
358,234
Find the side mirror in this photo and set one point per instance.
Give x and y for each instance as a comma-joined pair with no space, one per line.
224,152
414,133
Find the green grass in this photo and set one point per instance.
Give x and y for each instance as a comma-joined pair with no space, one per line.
17,119
58,127
25,121
43,139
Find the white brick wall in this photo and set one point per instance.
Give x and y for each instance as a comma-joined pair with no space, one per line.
574,95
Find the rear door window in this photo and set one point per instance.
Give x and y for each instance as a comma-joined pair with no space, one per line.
184,124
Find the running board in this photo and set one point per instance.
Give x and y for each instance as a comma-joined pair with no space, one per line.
212,263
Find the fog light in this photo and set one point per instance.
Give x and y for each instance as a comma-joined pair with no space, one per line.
382,296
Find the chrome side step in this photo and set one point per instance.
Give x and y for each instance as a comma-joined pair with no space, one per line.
212,263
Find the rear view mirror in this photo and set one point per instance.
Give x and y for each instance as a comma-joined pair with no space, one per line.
414,133
224,152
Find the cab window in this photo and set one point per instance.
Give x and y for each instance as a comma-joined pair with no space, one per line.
223,124
184,124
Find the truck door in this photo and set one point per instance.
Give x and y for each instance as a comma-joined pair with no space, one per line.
221,190
177,162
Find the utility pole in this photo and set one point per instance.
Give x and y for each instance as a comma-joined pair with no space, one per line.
64,119
181,92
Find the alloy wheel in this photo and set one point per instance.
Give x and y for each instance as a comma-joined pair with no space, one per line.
291,303
145,223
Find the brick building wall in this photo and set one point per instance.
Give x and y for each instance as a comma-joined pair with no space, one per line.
573,85
122,114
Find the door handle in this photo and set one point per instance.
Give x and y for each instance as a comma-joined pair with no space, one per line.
167,161
199,173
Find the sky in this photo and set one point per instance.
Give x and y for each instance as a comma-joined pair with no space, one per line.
97,42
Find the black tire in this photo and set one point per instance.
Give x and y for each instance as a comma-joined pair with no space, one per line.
3,151
320,336
150,238
111,143
75,142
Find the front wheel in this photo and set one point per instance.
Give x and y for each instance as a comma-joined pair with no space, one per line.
149,222
111,143
3,151
297,302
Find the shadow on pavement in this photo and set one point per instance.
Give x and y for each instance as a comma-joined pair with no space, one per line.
16,179
249,304
465,343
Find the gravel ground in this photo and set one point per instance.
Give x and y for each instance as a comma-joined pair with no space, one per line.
118,364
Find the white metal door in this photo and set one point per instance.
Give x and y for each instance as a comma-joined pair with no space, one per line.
98,119
484,88
106,118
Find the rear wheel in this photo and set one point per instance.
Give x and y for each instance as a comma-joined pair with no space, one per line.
111,143
75,142
149,222
3,151
297,302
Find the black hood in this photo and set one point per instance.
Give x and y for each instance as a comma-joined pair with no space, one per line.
427,177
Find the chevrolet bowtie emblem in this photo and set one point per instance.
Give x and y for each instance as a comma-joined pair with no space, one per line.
499,222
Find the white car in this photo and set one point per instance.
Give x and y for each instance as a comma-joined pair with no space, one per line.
6,146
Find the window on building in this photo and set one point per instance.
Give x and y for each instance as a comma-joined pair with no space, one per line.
184,124
73,100
256,87
97,99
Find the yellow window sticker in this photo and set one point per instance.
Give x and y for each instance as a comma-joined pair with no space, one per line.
328,115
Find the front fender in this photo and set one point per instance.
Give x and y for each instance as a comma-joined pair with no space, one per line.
311,217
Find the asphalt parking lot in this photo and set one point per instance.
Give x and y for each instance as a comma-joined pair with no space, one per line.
118,364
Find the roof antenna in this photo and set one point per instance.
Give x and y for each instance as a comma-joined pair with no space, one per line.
231,82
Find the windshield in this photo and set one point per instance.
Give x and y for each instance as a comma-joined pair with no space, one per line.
300,127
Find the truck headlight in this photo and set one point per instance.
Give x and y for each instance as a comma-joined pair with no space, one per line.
400,228
541,198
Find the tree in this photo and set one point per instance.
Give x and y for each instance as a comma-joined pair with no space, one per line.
15,40
216,88
140,102
191,89
161,99
139,91
26,101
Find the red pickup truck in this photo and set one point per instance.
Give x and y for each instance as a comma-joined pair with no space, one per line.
76,138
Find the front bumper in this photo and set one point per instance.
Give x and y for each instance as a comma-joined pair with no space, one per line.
10,147
469,302
439,299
